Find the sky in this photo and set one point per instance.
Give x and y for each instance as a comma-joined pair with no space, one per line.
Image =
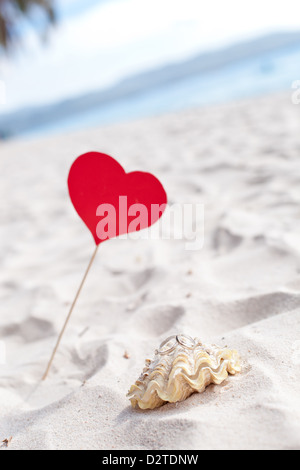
97,43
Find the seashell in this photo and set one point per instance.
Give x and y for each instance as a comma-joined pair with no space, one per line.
181,366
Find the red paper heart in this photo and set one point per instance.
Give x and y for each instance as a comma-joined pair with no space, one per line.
96,183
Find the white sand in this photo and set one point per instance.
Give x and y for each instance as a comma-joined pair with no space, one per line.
242,290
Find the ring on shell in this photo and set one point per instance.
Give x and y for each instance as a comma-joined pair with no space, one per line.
181,366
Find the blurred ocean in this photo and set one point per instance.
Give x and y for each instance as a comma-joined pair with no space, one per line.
248,69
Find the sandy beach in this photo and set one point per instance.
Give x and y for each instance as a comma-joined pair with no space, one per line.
242,290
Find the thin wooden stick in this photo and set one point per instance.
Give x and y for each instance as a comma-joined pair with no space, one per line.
69,314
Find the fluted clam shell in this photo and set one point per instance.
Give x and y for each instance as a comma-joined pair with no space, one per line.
175,376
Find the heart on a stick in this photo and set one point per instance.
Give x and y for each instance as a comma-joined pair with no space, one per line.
112,202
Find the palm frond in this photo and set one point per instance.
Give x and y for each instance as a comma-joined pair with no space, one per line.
12,11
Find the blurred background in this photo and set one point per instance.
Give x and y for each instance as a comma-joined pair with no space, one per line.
72,64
